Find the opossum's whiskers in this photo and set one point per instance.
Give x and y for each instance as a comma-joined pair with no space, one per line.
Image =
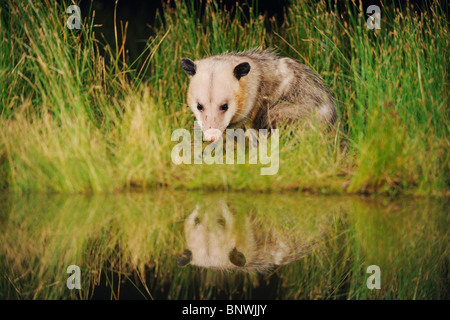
243,114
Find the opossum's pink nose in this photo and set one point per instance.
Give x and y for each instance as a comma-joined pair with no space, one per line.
212,134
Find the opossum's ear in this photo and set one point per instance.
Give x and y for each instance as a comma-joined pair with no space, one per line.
241,70
237,258
188,66
185,258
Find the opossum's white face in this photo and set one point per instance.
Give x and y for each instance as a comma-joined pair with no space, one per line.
211,239
212,93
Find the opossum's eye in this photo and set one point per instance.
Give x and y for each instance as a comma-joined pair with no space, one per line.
199,107
224,107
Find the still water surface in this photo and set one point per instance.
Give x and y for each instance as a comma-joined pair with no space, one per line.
184,245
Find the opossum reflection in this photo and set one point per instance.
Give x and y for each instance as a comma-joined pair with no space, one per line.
216,240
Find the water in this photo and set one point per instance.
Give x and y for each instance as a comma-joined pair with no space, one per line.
185,245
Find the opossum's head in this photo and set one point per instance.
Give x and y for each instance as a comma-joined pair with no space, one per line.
211,238
214,93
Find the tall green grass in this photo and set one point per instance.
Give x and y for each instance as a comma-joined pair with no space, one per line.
76,120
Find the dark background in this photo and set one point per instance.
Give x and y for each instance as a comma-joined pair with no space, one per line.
141,15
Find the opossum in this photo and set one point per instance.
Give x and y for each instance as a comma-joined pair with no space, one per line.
258,89
215,240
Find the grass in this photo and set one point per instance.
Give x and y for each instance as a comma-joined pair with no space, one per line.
127,245
78,117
